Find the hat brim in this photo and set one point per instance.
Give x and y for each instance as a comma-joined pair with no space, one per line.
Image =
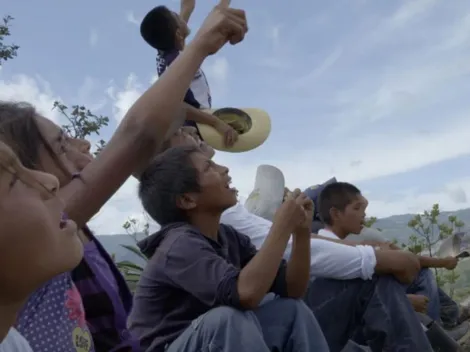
255,136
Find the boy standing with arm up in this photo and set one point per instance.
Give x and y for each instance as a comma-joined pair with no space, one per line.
166,31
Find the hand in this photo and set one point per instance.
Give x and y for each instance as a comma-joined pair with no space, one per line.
450,263
291,215
419,303
222,25
188,5
228,132
307,205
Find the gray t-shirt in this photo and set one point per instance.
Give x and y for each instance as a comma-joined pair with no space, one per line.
187,275
14,342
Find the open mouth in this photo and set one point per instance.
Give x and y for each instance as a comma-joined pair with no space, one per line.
228,185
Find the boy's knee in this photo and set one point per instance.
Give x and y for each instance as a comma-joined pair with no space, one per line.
291,307
221,316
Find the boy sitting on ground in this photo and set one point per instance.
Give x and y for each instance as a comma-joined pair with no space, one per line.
166,31
204,282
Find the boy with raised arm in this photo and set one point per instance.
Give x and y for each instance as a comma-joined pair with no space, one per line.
166,31
204,282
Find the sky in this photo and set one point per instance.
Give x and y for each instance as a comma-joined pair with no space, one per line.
372,92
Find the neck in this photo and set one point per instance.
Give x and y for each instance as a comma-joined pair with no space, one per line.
207,223
8,315
337,231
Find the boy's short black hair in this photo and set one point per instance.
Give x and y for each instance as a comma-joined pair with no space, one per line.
335,195
170,175
158,28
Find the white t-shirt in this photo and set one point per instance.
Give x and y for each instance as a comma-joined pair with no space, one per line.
328,259
15,342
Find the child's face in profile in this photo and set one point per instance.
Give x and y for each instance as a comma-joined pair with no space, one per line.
352,219
183,30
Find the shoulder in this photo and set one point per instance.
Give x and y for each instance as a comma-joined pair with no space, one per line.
183,240
168,56
234,236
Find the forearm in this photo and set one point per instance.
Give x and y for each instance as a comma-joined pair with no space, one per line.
257,277
392,262
143,129
157,108
429,262
298,266
199,116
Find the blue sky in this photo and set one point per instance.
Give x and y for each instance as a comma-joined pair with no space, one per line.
372,92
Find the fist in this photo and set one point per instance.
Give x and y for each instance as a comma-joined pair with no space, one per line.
292,215
450,263
222,25
419,303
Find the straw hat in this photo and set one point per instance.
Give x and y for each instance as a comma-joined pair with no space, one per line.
253,126
268,193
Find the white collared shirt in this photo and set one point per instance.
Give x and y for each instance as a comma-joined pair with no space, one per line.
328,259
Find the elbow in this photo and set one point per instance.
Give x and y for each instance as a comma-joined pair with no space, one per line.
249,299
297,291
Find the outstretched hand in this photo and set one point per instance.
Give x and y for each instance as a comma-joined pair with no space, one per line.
222,25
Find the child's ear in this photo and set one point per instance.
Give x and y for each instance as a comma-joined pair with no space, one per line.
179,37
186,201
334,214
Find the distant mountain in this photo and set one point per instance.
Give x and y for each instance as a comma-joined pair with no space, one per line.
393,227
396,226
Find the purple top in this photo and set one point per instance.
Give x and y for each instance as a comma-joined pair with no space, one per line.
187,275
92,253
53,319
106,299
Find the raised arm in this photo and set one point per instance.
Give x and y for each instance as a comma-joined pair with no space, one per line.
150,119
186,9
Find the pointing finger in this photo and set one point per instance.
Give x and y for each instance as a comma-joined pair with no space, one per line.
225,4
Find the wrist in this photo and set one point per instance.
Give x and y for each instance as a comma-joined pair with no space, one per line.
303,233
197,50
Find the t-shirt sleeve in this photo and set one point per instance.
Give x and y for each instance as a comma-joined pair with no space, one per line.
165,60
194,266
248,251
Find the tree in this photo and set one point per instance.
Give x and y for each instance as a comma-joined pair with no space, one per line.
129,270
82,123
369,222
428,232
7,52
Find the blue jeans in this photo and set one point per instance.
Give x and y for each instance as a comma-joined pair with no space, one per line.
425,284
277,325
450,310
377,311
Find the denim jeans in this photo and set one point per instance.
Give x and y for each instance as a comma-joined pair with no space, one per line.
450,310
376,310
425,284
277,325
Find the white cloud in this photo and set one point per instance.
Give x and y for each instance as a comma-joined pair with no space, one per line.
93,39
416,203
35,91
217,70
131,18
125,97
